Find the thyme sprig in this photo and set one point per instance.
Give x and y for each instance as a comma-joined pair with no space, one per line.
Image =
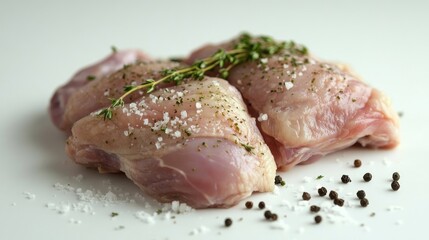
247,48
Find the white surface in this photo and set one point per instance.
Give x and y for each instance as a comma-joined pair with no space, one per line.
42,43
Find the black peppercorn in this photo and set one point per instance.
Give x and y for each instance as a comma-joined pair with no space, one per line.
278,180
268,214
361,194
367,177
396,176
228,222
318,219
261,205
314,208
364,202
357,163
274,217
306,196
322,191
345,179
333,195
339,202
395,185
249,204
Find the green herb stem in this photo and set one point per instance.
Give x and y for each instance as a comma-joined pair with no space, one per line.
246,49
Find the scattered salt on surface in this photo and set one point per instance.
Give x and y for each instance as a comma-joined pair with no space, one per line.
280,225
387,162
276,191
145,217
307,179
29,196
78,177
198,105
399,222
199,230
394,208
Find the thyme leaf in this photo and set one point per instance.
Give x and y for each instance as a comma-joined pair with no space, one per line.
247,48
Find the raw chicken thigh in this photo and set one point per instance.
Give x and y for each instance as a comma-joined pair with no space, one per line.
194,143
96,95
309,108
87,76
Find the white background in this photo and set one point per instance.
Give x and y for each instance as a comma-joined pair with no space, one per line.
42,43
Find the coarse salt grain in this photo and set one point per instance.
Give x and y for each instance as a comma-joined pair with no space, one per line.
145,217
29,196
158,145
177,134
262,117
198,105
183,114
200,230
264,60
288,85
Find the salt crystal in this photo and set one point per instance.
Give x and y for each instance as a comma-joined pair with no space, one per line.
264,60
307,179
177,134
394,208
183,114
276,190
29,196
285,66
158,145
78,177
262,117
288,85
280,225
198,105
145,217
386,162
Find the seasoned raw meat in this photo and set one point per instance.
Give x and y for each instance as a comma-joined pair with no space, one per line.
86,76
194,143
96,95
308,108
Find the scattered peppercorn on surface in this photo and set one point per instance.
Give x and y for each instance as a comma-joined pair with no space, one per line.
306,202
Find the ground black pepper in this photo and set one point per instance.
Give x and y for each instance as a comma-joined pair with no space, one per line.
228,222
333,195
322,191
395,185
361,194
357,163
261,205
339,202
345,179
249,204
318,219
364,202
396,176
306,196
367,177
314,208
